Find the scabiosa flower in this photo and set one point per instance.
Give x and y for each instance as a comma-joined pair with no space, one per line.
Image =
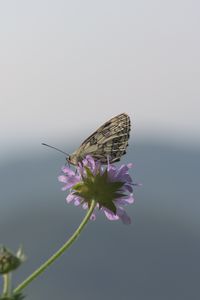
110,187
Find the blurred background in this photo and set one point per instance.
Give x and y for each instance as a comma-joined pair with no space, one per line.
65,68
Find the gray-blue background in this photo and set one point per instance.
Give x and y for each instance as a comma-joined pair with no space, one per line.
157,257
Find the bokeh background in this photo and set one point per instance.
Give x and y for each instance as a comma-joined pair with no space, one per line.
67,67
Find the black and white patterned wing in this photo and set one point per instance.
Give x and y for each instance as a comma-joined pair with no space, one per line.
110,140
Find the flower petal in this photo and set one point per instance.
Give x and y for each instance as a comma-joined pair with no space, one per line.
111,173
127,188
125,200
69,185
110,215
130,165
62,178
68,171
70,198
121,172
127,178
123,216
85,205
77,201
93,217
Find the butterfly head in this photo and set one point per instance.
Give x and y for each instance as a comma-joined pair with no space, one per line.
72,159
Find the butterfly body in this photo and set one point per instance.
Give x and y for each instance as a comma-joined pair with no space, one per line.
108,141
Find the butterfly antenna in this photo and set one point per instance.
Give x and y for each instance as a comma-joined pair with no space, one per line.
55,149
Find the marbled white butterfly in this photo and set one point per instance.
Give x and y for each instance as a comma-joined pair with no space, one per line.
109,141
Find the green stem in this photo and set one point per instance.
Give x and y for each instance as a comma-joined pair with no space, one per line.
6,284
70,241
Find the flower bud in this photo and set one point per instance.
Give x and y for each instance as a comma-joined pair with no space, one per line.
10,261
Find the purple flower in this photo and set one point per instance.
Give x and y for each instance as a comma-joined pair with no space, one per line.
111,187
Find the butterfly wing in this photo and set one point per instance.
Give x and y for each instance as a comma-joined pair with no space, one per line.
110,140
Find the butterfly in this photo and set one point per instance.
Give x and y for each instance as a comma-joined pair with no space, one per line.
108,142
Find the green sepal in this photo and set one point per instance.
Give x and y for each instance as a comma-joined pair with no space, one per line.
89,172
78,186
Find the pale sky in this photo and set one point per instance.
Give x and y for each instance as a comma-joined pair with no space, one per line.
68,66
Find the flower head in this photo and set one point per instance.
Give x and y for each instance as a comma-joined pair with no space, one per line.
110,187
